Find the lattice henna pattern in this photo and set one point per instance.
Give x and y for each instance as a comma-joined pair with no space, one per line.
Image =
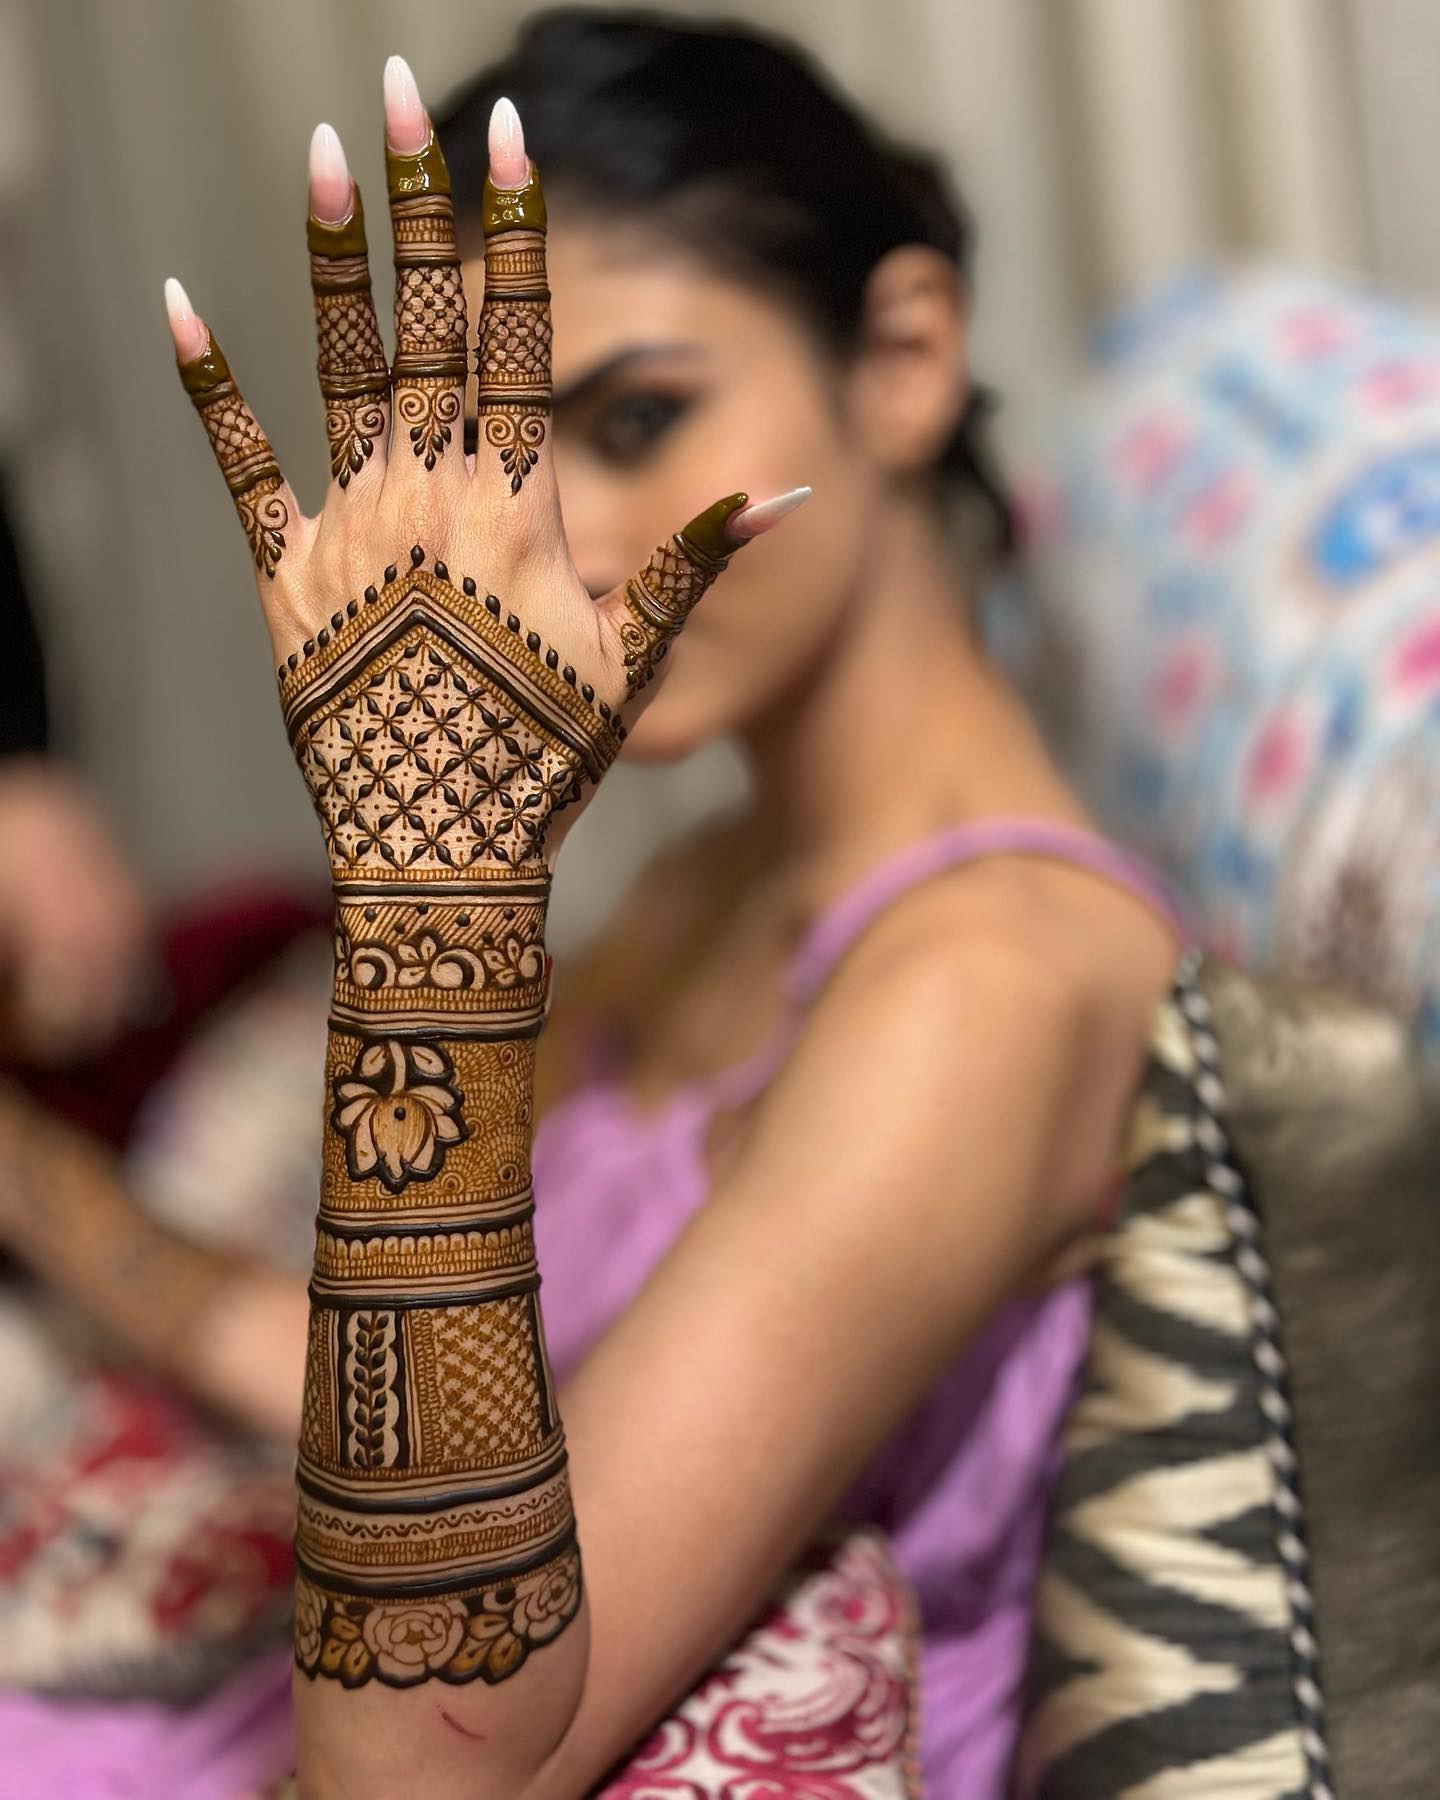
436,1534
354,373
512,351
245,457
430,327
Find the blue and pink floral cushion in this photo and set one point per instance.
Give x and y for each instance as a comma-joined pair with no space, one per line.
1234,619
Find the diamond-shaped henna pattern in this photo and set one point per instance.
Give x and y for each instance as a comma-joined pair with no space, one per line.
438,742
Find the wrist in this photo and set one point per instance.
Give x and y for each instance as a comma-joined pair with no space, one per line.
465,958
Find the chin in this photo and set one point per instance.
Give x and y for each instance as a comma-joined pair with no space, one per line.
681,719
664,734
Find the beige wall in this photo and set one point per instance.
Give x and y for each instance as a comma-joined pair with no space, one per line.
1100,141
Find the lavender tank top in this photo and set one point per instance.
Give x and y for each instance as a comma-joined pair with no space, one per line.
961,1488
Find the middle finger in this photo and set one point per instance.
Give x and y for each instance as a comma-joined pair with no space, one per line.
430,321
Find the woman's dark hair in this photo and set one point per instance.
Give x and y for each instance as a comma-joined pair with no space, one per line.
739,147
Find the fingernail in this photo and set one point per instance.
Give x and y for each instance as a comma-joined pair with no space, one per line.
330,200
509,165
751,521
189,332
407,124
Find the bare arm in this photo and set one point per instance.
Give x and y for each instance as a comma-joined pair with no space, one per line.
919,1159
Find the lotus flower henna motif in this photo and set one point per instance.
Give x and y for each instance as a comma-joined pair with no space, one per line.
398,1112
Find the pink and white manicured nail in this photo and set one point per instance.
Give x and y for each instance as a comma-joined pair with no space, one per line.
331,200
753,521
509,165
189,332
407,124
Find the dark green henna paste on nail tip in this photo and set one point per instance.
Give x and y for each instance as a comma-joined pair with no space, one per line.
706,537
347,238
416,172
204,372
513,209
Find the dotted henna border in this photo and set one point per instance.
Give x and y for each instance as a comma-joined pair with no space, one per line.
548,664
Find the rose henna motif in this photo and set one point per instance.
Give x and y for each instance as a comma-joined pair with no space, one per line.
486,1635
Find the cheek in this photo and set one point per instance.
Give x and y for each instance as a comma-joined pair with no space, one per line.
774,612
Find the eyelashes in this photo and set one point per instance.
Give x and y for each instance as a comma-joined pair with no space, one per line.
629,426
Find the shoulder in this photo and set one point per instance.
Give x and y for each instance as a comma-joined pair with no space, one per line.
994,1025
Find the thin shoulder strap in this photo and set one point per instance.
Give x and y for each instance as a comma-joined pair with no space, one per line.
836,930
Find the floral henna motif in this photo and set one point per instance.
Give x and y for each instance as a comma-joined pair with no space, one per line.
485,1634
512,353
429,408
397,1113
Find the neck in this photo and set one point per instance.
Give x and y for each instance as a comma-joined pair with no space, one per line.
904,726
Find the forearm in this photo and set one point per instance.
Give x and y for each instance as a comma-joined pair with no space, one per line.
436,1538
225,1328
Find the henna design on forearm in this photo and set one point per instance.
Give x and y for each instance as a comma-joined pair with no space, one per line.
430,322
436,1537
243,452
512,352
354,374
665,592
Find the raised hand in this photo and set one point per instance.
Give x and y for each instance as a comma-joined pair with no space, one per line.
449,688
410,532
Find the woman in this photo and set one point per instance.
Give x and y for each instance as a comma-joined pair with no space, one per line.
843,1088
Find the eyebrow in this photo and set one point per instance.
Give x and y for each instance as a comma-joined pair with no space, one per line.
612,365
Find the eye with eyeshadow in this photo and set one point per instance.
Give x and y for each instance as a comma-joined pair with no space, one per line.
626,427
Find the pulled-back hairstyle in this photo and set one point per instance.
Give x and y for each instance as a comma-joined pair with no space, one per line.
735,145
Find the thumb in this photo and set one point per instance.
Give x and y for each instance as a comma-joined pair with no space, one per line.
649,609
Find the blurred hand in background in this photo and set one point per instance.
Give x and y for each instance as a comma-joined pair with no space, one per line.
73,923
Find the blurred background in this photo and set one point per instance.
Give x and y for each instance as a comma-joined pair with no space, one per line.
1101,144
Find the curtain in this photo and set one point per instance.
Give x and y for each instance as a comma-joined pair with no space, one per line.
1100,143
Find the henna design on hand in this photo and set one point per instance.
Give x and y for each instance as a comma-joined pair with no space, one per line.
354,374
430,322
439,739
512,352
665,592
243,452
436,1538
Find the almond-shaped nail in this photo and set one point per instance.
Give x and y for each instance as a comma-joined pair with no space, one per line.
330,195
188,331
407,124
752,521
509,165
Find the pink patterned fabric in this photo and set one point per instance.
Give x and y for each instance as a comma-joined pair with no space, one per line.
815,1703
961,1488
